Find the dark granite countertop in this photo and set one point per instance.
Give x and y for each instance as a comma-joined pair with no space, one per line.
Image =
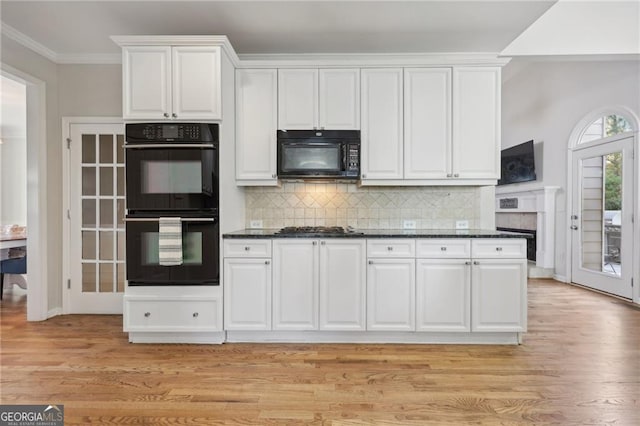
381,233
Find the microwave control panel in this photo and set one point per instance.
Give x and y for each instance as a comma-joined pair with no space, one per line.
353,157
174,132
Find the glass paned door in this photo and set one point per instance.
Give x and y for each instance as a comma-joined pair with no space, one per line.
96,217
601,223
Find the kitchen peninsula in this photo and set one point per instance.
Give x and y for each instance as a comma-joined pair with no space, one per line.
316,284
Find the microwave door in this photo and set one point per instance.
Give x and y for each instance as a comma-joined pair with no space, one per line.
311,159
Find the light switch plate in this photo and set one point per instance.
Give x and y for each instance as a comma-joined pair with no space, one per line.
409,224
256,224
462,224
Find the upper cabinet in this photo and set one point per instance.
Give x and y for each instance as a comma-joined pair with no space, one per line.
427,123
382,129
476,122
171,83
256,118
318,99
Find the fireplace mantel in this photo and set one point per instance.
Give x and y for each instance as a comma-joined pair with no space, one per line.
542,202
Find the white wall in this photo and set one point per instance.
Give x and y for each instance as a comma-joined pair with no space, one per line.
545,100
13,153
71,90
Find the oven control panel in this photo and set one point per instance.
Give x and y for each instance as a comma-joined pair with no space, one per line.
171,132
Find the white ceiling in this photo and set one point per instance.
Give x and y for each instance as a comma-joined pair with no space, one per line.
82,28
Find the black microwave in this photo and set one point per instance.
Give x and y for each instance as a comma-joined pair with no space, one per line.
324,154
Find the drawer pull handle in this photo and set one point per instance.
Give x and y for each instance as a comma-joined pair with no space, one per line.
498,248
247,248
443,248
390,248
195,315
147,314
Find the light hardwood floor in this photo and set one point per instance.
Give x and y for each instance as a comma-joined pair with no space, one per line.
579,365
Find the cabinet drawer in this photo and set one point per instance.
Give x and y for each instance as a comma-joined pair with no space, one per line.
247,248
450,248
499,248
165,315
391,248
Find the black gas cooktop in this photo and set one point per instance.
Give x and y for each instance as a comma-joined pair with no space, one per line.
316,230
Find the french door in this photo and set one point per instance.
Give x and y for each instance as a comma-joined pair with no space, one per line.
96,219
602,236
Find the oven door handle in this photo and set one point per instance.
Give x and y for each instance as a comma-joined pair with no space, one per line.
156,219
169,145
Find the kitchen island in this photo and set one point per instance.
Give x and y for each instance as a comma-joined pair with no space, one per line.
396,286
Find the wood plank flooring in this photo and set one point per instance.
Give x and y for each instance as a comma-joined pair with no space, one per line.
579,365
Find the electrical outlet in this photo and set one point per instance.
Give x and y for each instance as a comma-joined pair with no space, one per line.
462,224
409,224
256,224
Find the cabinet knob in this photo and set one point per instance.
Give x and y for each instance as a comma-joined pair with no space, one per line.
315,243
247,248
574,227
467,263
166,115
449,175
475,262
443,249
195,315
390,248
371,262
174,115
323,243
147,314
364,176
456,175
498,248
266,262
273,176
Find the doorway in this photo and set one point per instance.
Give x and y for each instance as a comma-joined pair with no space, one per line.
601,222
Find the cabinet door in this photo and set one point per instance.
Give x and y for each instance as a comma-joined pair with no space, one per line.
247,294
443,295
339,99
427,123
295,284
391,294
146,80
196,83
342,285
256,125
297,99
476,122
382,124
499,295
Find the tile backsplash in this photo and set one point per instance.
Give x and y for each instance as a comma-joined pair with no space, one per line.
338,204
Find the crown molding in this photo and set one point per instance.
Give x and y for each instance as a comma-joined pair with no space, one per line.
15,35
305,60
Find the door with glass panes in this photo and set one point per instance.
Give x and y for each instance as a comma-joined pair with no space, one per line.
96,218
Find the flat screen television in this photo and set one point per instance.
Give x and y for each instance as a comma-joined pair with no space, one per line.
517,164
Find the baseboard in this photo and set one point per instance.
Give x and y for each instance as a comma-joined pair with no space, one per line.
54,312
561,278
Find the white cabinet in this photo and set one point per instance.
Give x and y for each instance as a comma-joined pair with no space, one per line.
499,285
476,122
443,295
427,123
247,294
171,82
247,284
325,99
319,284
382,124
256,126
295,284
391,281
171,314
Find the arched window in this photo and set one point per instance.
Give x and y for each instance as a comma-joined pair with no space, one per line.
604,127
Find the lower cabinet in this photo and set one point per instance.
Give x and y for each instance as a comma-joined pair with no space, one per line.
319,284
443,295
499,295
247,294
390,294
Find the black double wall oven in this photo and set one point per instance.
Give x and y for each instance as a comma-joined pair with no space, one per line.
172,180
